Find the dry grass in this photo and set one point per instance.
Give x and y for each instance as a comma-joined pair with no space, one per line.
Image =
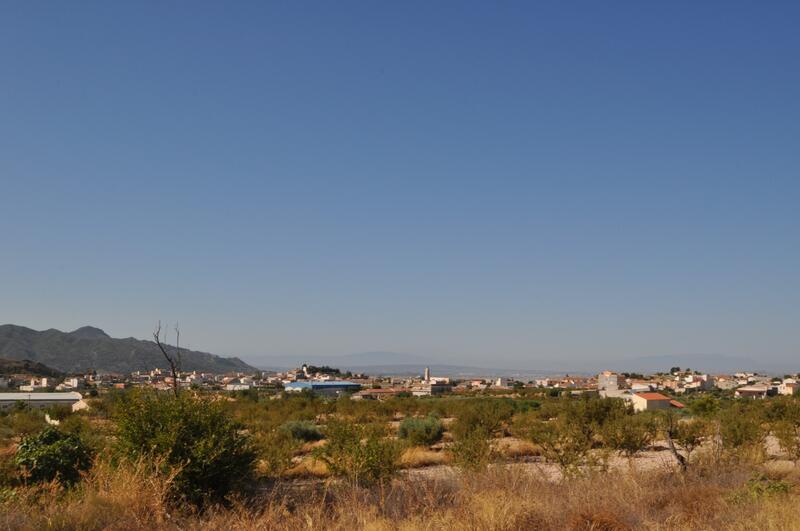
308,467
307,448
513,448
131,497
419,456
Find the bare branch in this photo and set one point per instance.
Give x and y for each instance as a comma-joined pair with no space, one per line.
174,362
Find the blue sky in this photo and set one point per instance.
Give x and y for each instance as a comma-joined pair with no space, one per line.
474,183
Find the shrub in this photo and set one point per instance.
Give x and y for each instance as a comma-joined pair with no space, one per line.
421,431
562,442
302,430
359,453
275,452
53,455
788,435
194,436
485,415
472,451
628,435
740,428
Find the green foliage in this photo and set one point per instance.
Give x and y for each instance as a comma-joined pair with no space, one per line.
194,436
689,435
275,451
562,441
629,434
421,431
486,415
359,453
741,427
758,487
472,450
53,455
706,406
788,435
21,421
302,430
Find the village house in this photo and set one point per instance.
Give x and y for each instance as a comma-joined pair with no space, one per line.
653,401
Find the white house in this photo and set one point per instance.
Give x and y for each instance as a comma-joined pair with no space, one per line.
752,391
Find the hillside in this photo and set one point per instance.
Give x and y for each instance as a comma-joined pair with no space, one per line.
91,348
31,368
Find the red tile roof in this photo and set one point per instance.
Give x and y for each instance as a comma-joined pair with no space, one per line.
675,403
652,396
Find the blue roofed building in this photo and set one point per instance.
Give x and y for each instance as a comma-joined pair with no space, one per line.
326,388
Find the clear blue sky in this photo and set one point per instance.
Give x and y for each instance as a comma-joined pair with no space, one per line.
475,182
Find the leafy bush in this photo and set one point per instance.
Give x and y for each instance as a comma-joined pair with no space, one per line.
275,451
53,455
629,435
359,453
472,451
421,431
788,435
562,442
740,427
484,415
194,436
302,430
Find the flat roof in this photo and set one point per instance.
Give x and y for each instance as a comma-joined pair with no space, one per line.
34,397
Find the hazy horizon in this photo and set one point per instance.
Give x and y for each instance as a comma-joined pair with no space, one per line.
471,183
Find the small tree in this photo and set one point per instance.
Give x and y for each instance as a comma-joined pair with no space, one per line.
628,435
788,435
741,429
686,435
359,453
421,431
302,430
472,450
562,442
194,436
53,455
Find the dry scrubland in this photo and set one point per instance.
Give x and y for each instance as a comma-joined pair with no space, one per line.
522,462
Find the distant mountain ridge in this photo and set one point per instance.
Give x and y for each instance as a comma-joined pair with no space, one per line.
91,348
402,364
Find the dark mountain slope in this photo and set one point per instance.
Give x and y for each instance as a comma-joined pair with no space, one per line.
91,348
28,367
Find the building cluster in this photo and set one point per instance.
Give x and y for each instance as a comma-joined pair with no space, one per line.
644,392
744,385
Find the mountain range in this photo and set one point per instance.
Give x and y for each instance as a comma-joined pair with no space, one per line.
407,364
91,348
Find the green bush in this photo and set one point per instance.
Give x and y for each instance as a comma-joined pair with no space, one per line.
275,451
486,415
53,455
193,436
628,435
562,442
421,431
359,453
472,451
302,430
741,427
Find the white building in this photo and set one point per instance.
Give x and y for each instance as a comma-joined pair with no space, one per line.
610,381
39,400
